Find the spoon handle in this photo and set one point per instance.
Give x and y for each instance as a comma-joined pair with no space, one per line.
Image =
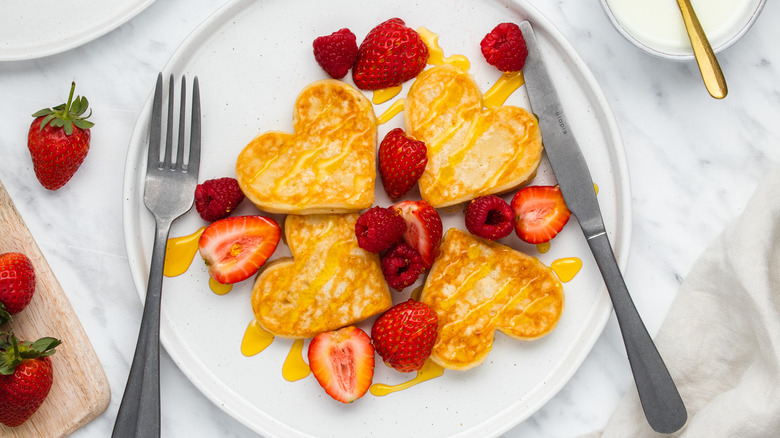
705,57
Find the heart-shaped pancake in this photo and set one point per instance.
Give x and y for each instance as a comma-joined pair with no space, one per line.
472,151
476,287
329,282
327,165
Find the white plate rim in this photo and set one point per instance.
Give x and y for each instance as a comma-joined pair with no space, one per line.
503,421
85,35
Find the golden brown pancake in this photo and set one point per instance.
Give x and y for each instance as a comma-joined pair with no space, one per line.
329,282
327,165
471,151
476,287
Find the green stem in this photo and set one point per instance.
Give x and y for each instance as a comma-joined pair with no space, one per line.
70,98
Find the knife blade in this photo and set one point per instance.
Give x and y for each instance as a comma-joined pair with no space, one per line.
661,402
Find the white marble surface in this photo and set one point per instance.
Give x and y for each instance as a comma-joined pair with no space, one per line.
694,162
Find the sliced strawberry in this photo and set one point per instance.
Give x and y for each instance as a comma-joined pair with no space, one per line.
234,248
342,361
423,229
540,213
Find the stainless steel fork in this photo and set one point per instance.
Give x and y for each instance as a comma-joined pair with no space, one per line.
168,193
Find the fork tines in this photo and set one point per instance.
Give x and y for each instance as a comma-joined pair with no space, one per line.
164,158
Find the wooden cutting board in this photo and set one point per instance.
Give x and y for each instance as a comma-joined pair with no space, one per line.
80,391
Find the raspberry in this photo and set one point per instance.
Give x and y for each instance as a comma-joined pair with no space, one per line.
379,228
504,47
489,217
336,52
216,198
401,265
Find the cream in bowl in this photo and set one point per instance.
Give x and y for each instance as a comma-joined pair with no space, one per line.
656,26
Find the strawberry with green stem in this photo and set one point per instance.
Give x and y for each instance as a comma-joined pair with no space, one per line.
58,140
25,377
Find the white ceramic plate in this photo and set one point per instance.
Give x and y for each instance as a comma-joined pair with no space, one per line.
252,58
37,28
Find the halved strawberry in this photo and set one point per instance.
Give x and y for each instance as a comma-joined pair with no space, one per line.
234,248
342,361
423,228
540,213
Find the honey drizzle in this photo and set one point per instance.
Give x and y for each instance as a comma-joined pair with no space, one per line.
436,54
219,288
393,110
543,247
383,95
510,165
503,88
429,370
283,150
476,129
294,367
306,159
442,102
255,340
566,268
179,253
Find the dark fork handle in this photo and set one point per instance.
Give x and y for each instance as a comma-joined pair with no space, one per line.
139,412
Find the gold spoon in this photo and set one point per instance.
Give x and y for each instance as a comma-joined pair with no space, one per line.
705,57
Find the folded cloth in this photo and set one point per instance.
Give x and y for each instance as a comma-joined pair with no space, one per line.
721,338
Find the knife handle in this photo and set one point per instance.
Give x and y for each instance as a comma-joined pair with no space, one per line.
661,402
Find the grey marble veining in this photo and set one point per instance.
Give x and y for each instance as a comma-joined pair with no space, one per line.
694,162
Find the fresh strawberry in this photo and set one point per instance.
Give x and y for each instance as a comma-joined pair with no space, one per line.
504,47
17,284
342,361
540,213
336,52
235,248
58,141
423,229
25,377
216,198
402,161
378,228
401,265
489,217
390,55
404,335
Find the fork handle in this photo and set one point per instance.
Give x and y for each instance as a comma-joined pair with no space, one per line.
139,412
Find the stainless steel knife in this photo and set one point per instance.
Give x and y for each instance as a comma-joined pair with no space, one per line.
661,402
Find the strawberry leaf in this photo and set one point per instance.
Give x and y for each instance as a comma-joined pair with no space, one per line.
83,124
46,120
13,352
4,315
43,112
68,114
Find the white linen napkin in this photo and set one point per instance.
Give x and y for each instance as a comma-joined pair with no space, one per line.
721,338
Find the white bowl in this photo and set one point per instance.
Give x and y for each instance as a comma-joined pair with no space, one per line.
657,28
